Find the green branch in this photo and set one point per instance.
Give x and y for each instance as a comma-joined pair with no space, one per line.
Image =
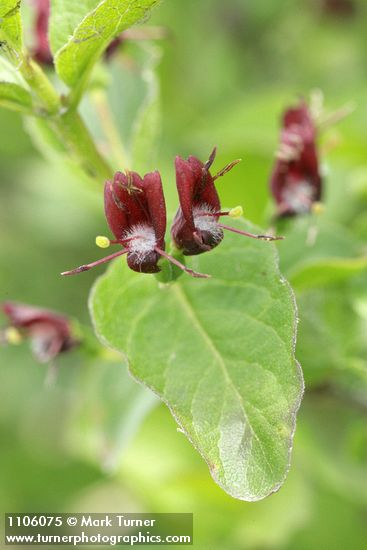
67,123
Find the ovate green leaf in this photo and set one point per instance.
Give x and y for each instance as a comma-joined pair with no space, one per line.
11,24
219,353
75,60
65,17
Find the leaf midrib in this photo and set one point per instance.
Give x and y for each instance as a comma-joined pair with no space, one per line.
185,303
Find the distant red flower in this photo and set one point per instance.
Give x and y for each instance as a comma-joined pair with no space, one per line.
296,181
41,51
196,227
114,47
339,8
49,332
136,214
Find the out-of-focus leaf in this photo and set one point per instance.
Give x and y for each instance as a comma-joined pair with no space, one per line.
75,60
330,333
44,137
219,353
15,97
109,408
333,438
14,92
11,25
146,130
8,73
65,17
312,240
325,272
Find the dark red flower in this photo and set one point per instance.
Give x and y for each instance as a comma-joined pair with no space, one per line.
50,333
114,47
339,8
41,51
136,214
196,228
296,182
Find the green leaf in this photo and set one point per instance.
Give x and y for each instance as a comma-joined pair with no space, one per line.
65,17
14,97
219,353
11,24
14,92
325,272
76,59
331,334
8,73
146,128
335,451
109,408
317,253
45,138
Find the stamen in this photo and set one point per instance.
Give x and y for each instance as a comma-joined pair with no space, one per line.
336,116
130,187
94,264
235,212
102,242
12,336
227,168
317,208
105,242
209,162
251,235
180,265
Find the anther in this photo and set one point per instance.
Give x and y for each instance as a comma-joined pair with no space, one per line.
317,208
12,336
236,212
102,242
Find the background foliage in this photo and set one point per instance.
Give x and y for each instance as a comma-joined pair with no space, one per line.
227,71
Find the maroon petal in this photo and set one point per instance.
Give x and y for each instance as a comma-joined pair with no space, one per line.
186,184
22,316
148,264
42,52
153,189
125,203
204,190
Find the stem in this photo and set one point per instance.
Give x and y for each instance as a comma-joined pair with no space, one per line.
68,124
78,140
40,84
251,235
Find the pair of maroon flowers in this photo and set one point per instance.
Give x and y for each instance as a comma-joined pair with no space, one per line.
136,213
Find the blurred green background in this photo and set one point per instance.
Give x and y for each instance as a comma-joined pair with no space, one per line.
228,69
